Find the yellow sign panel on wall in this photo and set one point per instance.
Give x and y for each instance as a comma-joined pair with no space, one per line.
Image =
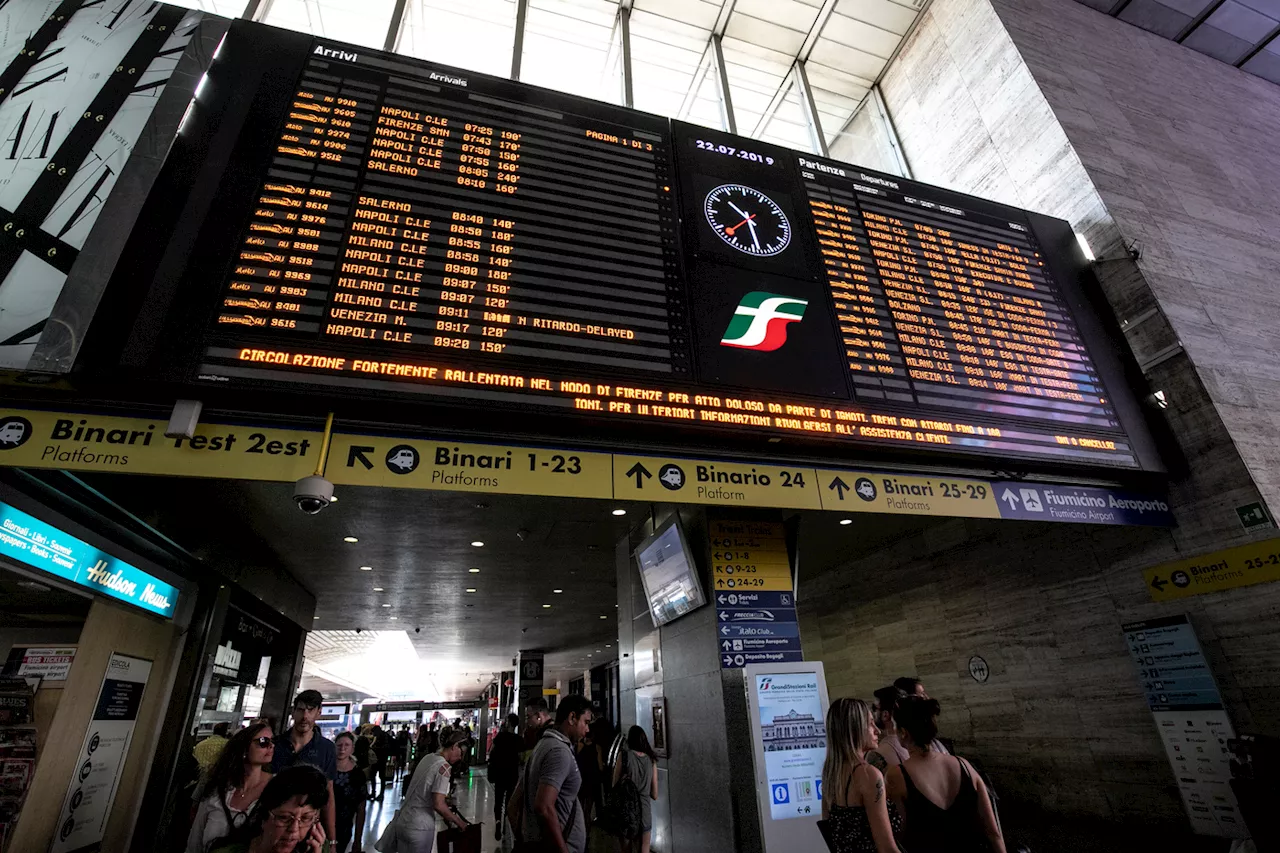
867,491
1244,565
362,460
676,480
85,442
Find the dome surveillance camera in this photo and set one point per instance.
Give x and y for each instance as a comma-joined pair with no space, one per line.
417,630
312,494
357,630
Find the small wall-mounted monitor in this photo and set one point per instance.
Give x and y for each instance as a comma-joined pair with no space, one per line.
669,574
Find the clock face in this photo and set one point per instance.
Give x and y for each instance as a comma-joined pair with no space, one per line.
748,220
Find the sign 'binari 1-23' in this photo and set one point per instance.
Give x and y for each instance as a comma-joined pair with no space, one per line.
425,231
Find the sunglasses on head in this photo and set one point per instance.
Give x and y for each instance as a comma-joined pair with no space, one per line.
264,741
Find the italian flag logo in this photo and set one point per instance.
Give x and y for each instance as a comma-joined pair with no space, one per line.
760,321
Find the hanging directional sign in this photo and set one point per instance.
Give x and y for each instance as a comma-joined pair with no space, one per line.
678,480
365,460
74,441
1081,505
868,491
78,441
755,607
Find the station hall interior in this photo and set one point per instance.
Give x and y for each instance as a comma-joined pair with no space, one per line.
749,374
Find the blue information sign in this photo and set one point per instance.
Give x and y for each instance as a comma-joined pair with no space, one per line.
1081,505
29,540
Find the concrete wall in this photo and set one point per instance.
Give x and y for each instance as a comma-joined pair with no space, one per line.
1128,136
1182,150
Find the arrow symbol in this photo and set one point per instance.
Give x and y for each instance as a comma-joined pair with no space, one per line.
724,630
720,599
727,645
839,487
728,661
357,454
1010,498
640,472
1158,584
724,617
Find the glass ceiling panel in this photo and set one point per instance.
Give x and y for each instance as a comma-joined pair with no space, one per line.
707,107
755,74
665,54
574,46
476,35
362,22
789,127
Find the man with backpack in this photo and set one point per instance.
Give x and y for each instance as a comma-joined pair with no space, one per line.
545,808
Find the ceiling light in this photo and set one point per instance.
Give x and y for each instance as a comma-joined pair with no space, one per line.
588,654
366,568
619,511
474,570
845,521
350,539
597,651
395,617
546,607
377,589
608,645
471,589
315,617
386,605
604,617
557,591
477,544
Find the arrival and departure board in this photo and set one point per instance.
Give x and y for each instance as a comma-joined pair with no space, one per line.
431,234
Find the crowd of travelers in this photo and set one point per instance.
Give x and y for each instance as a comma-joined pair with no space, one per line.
890,783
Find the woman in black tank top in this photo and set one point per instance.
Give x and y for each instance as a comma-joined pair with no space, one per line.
943,802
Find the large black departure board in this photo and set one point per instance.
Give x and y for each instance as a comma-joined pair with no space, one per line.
421,233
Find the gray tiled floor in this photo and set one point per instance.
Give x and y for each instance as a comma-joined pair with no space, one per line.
475,802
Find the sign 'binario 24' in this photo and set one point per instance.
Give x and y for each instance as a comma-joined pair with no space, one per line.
376,225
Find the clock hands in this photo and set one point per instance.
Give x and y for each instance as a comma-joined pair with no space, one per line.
746,221
755,238
739,211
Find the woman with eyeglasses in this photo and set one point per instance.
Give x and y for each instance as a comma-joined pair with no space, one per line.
287,819
348,794
235,784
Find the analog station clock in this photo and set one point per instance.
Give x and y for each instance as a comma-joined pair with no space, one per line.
748,220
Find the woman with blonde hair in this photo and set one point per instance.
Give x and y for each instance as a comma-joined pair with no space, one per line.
853,797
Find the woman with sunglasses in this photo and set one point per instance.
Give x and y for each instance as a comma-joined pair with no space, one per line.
287,819
235,784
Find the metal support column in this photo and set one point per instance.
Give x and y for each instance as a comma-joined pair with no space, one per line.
624,23
393,29
517,46
810,110
722,76
886,121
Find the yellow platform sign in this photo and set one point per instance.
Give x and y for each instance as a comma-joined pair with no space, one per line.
85,442
896,494
1244,565
676,480
758,584
364,460
757,535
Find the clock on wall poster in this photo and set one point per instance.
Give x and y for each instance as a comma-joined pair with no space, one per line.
79,80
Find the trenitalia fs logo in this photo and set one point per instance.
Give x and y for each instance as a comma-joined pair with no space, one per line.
760,321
